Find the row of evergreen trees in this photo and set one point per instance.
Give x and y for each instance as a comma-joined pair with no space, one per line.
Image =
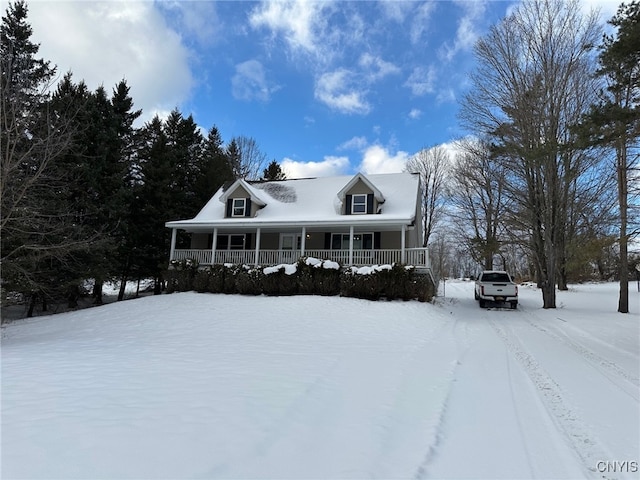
84,193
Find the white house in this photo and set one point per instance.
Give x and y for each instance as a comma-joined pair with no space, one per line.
354,220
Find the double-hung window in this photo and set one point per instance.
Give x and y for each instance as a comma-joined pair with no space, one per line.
359,204
290,241
361,241
230,242
239,205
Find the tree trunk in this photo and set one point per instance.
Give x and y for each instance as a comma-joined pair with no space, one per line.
623,301
562,278
123,286
32,304
97,292
548,295
550,270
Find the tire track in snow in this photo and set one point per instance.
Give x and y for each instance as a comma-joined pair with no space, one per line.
579,439
518,416
610,370
461,349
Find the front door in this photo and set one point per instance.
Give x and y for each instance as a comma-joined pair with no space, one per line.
290,245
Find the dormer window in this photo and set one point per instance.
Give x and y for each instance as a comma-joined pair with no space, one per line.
239,205
358,204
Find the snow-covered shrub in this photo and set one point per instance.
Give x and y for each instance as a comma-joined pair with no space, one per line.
317,277
248,280
385,281
201,280
308,276
216,278
280,280
354,284
180,275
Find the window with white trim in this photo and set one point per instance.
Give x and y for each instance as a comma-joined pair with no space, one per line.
239,205
230,242
358,203
288,240
361,241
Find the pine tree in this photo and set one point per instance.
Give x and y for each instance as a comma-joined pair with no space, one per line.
615,121
273,172
40,237
215,168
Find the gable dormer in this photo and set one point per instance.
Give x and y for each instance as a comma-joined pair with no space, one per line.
241,201
360,197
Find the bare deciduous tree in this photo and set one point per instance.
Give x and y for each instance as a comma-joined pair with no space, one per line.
432,164
250,160
532,83
478,195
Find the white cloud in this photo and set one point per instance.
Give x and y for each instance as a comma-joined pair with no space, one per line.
394,10
199,19
355,143
415,113
467,33
104,42
250,82
420,20
606,8
421,80
446,95
329,166
336,90
375,68
377,159
301,23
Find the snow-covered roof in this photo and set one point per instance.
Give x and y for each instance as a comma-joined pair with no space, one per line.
313,201
255,198
359,177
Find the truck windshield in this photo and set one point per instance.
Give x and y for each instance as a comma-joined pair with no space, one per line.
496,277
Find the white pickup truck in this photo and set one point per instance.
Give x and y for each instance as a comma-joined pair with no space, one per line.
496,286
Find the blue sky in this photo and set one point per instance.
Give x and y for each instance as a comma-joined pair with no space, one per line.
329,87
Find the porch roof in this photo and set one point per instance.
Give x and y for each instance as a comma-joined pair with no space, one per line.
313,202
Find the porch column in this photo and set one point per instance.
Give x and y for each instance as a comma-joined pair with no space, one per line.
303,241
173,243
214,245
351,245
403,254
257,246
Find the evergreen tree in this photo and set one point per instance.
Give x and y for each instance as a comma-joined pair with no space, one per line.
154,202
185,152
127,144
273,172
234,157
40,234
615,121
215,168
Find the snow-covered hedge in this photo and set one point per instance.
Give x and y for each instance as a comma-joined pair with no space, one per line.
309,276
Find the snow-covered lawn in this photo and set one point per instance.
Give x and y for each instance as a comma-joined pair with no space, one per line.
212,386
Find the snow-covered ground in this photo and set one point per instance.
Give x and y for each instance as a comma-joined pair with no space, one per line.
212,386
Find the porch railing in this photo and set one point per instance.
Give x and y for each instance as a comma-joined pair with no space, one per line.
413,256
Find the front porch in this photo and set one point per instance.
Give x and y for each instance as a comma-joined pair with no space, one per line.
347,245
418,257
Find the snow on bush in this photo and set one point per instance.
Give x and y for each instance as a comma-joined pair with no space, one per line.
289,269
326,264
